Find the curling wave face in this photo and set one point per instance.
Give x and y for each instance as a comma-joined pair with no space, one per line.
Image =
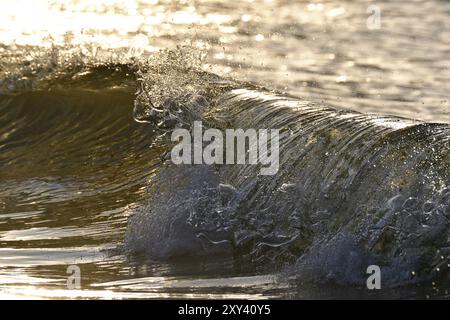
352,190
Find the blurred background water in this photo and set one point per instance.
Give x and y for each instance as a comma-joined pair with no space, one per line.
320,50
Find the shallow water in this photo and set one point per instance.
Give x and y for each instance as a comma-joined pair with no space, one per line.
74,164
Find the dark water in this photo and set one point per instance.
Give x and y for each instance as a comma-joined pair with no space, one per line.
83,183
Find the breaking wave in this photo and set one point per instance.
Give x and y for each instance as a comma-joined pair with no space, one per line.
352,189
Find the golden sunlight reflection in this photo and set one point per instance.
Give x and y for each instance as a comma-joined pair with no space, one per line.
110,24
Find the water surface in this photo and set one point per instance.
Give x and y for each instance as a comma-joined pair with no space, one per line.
74,164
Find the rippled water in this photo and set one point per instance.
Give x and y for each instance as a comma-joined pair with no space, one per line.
74,165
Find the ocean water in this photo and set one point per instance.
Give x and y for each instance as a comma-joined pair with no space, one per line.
364,165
